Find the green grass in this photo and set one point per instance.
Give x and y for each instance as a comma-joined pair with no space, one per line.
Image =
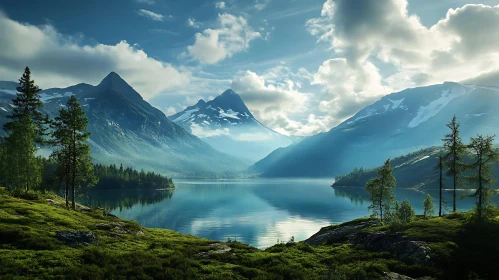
29,249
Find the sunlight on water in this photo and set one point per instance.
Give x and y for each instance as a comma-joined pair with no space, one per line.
258,212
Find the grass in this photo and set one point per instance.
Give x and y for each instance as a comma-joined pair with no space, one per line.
29,249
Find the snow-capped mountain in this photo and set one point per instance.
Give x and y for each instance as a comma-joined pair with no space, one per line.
397,124
227,125
127,129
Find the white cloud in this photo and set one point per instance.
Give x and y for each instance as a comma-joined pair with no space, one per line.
460,46
204,132
58,61
253,137
232,36
170,111
261,4
150,2
193,23
220,5
150,15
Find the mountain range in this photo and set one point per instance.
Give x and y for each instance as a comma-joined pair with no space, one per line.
397,124
127,129
228,125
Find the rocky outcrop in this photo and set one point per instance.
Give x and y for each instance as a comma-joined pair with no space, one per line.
339,233
401,246
76,237
118,227
218,248
396,276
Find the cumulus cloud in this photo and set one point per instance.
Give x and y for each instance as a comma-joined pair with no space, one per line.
57,60
460,46
150,15
233,35
220,5
193,23
274,95
261,4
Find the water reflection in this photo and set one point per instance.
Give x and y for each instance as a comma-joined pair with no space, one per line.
258,212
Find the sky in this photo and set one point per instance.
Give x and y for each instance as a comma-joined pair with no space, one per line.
301,66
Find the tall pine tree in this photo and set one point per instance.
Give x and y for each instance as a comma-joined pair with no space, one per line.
380,189
454,152
484,155
73,153
22,168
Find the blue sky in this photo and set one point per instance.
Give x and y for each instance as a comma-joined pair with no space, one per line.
302,66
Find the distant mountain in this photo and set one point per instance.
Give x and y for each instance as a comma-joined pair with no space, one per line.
127,129
397,124
227,125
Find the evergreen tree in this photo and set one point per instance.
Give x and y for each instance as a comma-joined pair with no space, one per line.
428,206
484,155
453,157
441,185
380,189
73,153
405,213
22,168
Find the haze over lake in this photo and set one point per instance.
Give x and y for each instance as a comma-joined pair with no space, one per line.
258,212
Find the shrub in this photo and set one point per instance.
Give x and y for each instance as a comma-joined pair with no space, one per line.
405,213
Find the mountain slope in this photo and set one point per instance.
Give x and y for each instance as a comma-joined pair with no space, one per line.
126,129
227,125
397,124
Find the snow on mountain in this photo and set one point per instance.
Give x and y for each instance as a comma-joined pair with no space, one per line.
399,123
227,124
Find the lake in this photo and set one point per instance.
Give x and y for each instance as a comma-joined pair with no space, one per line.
258,212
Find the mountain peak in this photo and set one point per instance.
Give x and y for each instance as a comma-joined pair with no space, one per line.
114,82
229,92
201,102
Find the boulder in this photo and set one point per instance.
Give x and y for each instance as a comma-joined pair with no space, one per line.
218,248
339,233
401,246
77,237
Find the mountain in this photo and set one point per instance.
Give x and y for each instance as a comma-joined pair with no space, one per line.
397,124
127,129
227,125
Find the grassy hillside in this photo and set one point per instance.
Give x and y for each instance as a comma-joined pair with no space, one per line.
30,248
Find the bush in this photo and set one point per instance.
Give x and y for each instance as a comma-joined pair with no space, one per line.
405,213
30,195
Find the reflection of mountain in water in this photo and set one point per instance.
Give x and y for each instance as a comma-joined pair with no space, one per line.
124,199
356,195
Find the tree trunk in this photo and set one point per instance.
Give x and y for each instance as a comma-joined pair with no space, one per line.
455,182
480,191
74,170
441,187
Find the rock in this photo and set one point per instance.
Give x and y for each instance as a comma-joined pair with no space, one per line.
219,248
339,233
396,276
401,246
53,202
76,237
110,215
117,227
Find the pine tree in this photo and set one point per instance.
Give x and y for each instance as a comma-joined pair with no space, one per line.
380,189
441,185
26,128
484,155
405,212
428,206
453,157
73,153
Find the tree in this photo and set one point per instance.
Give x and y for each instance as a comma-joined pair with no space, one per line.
453,156
380,189
484,155
22,168
428,206
73,153
440,168
405,212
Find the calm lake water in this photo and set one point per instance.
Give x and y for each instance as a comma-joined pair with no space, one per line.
258,212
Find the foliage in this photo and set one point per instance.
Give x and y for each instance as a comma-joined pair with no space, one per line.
405,213
454,153
484,155
21,168
380,189
428,206
73,153
111,177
